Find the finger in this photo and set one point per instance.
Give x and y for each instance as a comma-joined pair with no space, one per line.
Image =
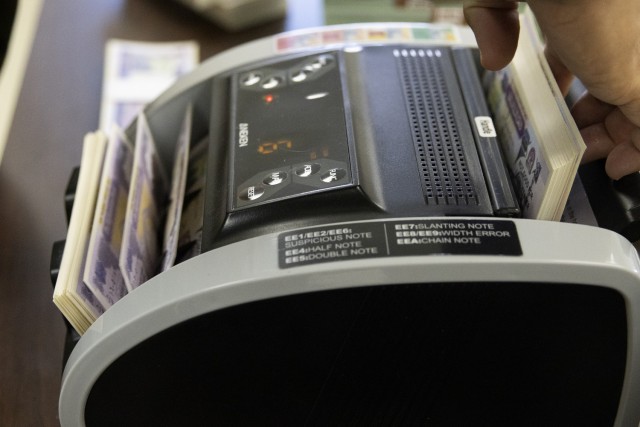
632,109
619,127
589,110
561,73
598,141
624,158
496,26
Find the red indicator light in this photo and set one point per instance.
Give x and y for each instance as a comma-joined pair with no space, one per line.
268,99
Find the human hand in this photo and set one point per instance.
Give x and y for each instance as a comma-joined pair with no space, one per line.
599,42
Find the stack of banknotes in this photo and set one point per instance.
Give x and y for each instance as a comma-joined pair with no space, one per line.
130,220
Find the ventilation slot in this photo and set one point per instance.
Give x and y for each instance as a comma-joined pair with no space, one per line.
439,149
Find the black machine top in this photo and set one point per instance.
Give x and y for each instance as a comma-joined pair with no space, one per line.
289,130
324,136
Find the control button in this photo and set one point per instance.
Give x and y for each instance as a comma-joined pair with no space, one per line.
251,193
300,76
335,174
275,178
271,82
307,170
251,79
322,61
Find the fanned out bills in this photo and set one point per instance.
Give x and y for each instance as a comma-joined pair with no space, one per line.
102,270
125,224
190,235
135,73
141,242
74,299
178,187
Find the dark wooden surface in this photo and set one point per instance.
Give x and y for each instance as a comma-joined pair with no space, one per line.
59,103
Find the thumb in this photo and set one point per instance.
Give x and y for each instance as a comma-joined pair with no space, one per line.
631,110
561,73
496,26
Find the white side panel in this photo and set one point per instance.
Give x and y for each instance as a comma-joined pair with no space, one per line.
248,271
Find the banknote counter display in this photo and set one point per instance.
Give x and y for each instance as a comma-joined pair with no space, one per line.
340,232
289,129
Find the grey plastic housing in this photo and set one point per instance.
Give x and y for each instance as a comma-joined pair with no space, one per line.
249,269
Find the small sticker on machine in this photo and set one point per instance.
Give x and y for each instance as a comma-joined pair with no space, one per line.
485,127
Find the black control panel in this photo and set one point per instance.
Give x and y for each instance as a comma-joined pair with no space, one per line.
289,130
350,134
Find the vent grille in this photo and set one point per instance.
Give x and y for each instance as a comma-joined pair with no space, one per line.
440,152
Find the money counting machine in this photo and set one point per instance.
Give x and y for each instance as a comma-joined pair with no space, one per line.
363,260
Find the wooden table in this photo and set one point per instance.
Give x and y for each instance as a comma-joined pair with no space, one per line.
59,103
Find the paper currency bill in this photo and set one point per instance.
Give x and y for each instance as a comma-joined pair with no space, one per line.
102,270
178,187
74,299
135,73
140,253
190,234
